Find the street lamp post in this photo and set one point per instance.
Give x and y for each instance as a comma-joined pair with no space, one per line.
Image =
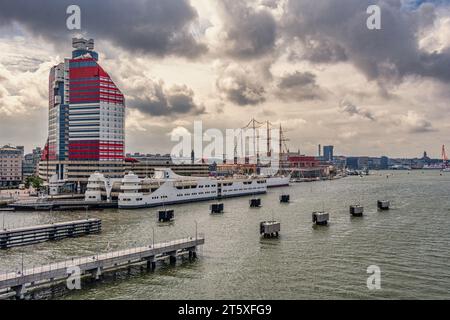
153,237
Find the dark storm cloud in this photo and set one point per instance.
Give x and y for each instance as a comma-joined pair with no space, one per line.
353,110
243,93
159,27
241,86
159,101
250,32
340,28
299,86
297,79
320,51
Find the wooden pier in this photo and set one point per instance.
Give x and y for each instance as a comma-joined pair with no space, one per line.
10,238
96,265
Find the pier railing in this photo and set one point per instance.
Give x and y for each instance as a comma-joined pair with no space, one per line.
60,270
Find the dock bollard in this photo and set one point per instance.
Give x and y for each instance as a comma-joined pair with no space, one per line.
166,215
270,229
255,203
357,210
320,218
217,208
383,205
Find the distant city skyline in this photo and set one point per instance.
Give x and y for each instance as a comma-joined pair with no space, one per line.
164,153
313,67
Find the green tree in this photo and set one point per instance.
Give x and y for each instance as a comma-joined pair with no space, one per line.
35,182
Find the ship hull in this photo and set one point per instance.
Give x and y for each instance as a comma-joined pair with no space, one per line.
275,182
171,203
177,190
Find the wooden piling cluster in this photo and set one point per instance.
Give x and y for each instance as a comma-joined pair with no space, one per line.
217,208
285,198
255,203
166,215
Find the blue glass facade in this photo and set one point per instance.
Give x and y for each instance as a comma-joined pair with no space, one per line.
79,53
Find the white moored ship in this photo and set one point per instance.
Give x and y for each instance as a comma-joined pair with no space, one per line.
278,181
275,178
169,188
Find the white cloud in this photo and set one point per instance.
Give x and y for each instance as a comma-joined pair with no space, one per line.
235,84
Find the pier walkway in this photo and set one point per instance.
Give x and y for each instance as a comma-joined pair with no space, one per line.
49,232
97,264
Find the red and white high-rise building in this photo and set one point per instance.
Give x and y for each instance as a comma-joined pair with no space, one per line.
87,110
86,122
96,109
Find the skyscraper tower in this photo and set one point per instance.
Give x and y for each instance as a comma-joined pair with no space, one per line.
86,110
57,115
96,109
328,153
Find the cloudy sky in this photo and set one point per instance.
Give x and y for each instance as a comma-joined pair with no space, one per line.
314,66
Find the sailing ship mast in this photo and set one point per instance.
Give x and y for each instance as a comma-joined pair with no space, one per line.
444,158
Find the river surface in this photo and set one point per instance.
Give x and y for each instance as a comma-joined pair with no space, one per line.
409,243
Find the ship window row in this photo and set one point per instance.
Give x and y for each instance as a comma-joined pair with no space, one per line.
195,187
226,184
162,197
244,189
194,194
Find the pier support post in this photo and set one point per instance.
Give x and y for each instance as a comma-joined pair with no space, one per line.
97,273
151,263
173,259
192,253
4,239
19,292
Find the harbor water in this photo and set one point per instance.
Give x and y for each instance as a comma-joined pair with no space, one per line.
409,243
